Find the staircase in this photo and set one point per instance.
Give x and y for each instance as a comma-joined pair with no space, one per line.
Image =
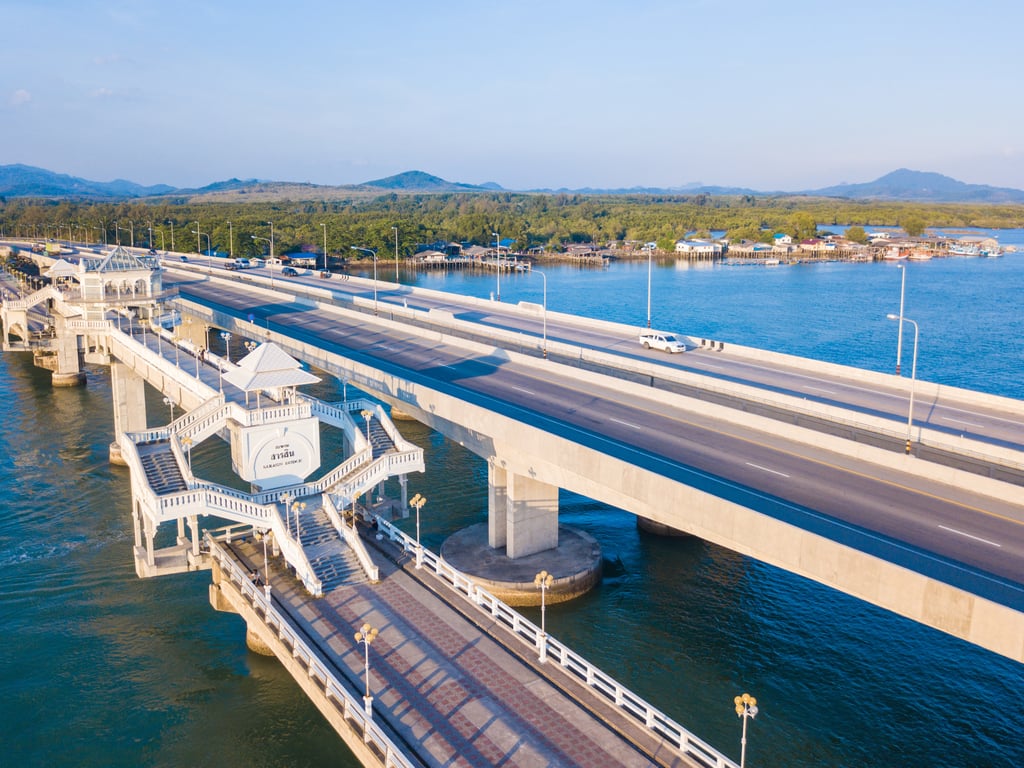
333,561
163,472
380,440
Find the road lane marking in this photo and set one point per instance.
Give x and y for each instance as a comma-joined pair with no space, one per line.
961,421
625,423
821,389
765,469
969,536
523,389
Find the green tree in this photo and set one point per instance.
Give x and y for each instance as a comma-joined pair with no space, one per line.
857,234
913,224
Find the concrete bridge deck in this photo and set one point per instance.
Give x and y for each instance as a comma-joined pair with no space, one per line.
451,685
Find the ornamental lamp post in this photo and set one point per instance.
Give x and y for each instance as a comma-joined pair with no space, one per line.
367,415
417,503
367,635
746,707
543,580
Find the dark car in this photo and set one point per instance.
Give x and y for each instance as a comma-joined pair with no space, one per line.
290,271
184,258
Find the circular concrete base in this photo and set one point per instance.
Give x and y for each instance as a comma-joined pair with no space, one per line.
115,455
660,529
67,379
575,564
255,644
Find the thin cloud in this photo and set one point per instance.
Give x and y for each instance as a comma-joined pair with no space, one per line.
102,93
19,97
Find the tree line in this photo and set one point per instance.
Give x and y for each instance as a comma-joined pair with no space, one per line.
552,221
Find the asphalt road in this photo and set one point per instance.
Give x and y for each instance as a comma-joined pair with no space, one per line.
944,413
955,535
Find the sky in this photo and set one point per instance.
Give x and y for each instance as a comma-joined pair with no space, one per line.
786,95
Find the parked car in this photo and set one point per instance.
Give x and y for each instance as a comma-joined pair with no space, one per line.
659,340
290,271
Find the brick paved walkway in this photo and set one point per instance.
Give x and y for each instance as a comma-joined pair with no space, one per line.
457,696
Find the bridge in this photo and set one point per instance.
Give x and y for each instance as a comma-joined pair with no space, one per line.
821,487
720,443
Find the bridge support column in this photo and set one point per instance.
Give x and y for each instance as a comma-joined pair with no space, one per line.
522,513
129,396
68,372
532,520
193,524
497,505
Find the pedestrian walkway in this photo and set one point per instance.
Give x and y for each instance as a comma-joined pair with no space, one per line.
450,683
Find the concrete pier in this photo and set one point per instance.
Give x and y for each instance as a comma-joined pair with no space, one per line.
575,564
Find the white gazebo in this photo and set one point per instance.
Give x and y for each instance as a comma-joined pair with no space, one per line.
269,368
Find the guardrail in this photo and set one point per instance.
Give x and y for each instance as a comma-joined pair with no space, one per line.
349,706
575,665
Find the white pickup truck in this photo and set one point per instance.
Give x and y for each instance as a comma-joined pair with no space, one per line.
666,342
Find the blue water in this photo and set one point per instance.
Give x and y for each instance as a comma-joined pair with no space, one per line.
100,668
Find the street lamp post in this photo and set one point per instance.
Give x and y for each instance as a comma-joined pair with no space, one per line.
497,263
231,241
324,225
373,253
746,707
650,252
367,635
270,266
395,230
544,347
170,404
199,245
543,580
913,379
417,503
172,232
899,331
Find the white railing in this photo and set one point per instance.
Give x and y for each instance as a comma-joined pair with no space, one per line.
350,706
579,668
202,421
353,539
295,556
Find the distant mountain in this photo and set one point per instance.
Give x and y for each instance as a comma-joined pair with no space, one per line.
921,186
687,189
901,185
418,181
27,181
